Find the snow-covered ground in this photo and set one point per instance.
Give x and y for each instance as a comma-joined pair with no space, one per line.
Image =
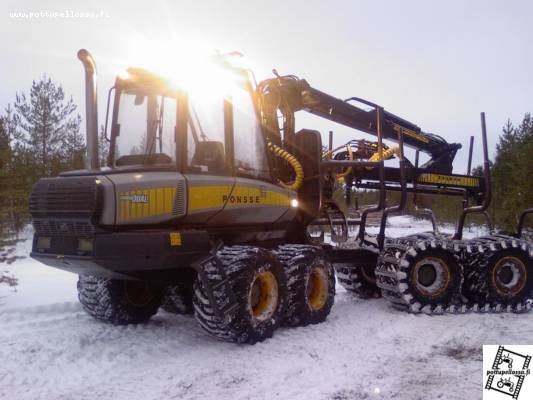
50,349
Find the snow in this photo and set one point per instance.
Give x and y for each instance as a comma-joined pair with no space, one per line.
403,225
50,349
38,284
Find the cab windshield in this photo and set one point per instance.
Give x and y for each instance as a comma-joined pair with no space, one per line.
146,133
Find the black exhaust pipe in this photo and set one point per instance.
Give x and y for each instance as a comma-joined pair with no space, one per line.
91,110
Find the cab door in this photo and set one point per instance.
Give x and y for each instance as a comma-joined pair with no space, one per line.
208,171
255,199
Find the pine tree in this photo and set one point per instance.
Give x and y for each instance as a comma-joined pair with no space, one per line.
16,170
50,127
5,148
511,182
39,136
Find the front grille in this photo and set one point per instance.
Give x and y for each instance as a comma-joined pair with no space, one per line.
63,228
65,206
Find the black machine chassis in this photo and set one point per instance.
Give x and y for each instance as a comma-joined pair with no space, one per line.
127,255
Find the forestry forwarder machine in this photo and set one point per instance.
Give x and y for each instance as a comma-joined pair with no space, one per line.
206,202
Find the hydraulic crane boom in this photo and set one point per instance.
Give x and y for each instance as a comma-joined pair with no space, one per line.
294,94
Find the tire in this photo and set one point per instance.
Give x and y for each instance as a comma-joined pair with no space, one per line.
420,275
116,301
310,284
177,299
509,277
359,278
259,285
483,261
434,278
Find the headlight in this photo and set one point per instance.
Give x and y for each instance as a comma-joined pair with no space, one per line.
85,245
44,242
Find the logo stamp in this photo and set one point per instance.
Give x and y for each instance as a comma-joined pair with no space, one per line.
134,198
506,372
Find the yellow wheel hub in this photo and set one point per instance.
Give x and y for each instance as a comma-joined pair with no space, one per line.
509,276
317,288
431,276
264,296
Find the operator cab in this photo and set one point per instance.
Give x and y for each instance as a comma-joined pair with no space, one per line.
212,128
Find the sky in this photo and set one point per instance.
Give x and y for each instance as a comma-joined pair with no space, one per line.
435,63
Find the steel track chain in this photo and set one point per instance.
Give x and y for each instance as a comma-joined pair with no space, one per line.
392,272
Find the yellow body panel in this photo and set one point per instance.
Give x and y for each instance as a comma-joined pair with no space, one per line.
411,133
449,180
206,197
139,204
196,199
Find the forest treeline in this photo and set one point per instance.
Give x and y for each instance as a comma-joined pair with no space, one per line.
40,136
512,183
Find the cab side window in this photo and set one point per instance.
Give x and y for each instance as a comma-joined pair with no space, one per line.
205,141
250,149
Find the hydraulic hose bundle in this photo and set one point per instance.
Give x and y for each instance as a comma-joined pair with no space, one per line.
387,153
348,171
293,162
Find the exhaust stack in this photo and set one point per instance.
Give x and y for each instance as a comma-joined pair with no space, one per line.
91,112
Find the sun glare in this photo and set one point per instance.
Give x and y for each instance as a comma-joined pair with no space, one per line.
188,66
202,76
123,74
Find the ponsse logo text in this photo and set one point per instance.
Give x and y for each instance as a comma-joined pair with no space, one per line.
447,179
241,199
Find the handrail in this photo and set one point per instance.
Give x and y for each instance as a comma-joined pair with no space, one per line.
403,196
424,211
382,202
488,193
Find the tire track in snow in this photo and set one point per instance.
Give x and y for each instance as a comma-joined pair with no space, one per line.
58,352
